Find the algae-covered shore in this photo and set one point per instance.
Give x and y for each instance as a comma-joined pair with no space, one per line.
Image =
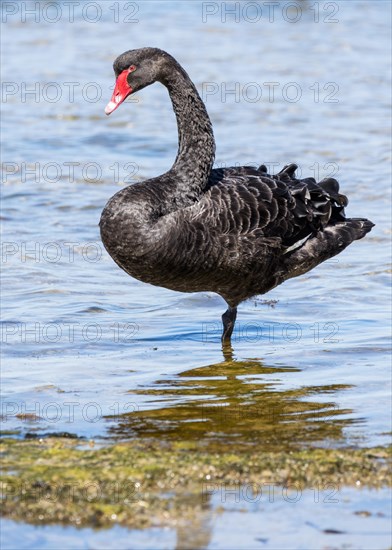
144,483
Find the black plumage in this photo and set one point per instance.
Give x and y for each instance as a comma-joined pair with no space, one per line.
235,231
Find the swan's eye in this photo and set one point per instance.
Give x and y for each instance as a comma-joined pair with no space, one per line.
131,69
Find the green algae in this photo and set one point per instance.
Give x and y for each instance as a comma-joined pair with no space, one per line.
146,482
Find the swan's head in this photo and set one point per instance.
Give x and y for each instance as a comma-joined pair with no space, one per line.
135,70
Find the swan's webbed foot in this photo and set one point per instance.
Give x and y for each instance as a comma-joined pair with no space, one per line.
228,320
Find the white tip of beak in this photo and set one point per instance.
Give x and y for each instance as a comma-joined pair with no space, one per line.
110,107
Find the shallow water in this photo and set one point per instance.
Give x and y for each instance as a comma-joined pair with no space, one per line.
89,351
242,519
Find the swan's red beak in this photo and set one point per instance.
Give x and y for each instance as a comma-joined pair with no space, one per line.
121,91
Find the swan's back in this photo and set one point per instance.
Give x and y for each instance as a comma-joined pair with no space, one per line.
244,234
280,205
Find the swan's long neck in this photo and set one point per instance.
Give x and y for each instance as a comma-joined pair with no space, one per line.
133,222
196,145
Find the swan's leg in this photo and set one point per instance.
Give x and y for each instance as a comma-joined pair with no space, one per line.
228,320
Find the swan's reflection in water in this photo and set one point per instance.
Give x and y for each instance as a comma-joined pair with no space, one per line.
237,405
233,406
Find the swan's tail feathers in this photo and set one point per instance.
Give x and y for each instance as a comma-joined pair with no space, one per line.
324,245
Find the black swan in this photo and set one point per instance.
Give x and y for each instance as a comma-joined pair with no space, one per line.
238,232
